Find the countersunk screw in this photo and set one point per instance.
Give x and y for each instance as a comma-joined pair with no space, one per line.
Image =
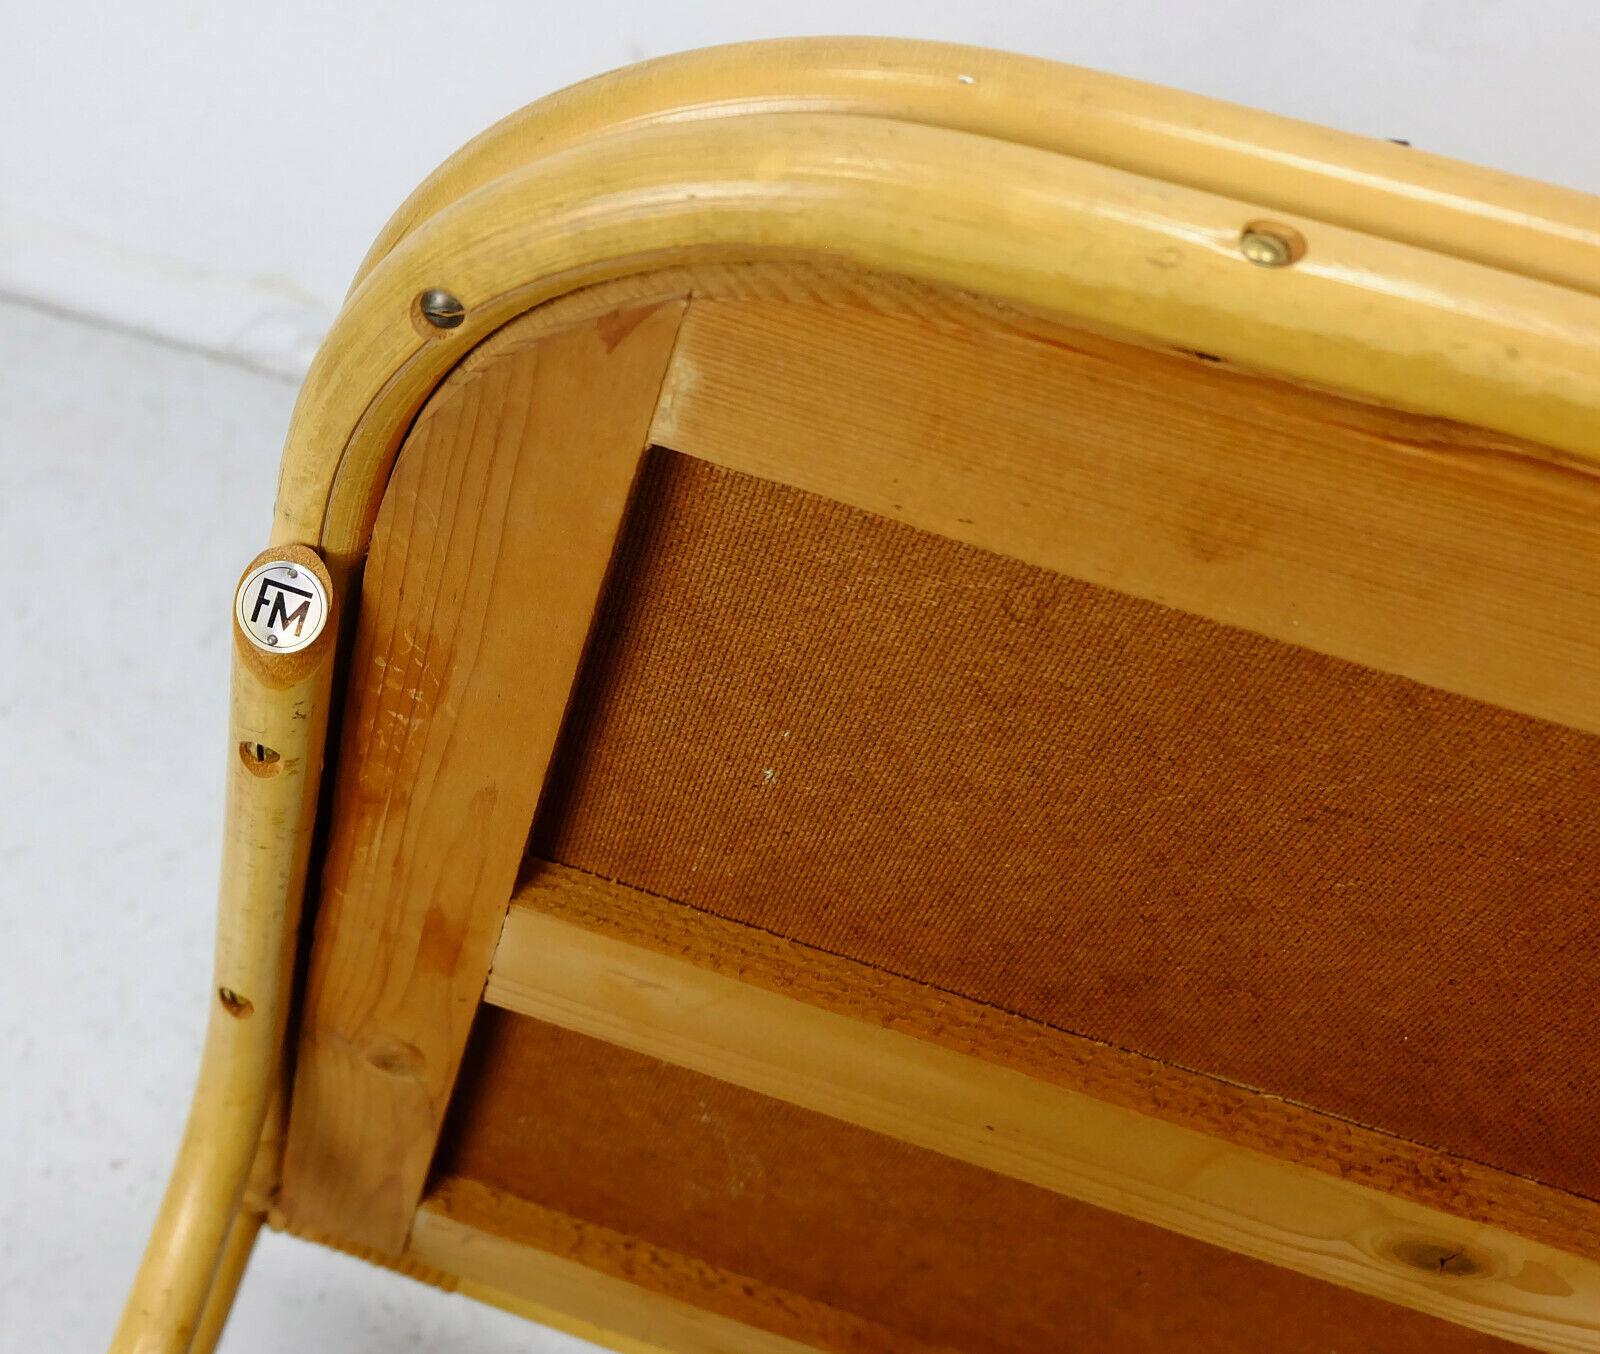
1268,248
440,309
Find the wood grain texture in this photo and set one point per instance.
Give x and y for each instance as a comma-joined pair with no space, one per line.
934,1249
491,551
1045,1134
623,1291
1231,1113
1431,286
1357,181
1457,558
1381,320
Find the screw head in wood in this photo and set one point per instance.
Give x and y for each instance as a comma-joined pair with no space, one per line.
440,309
1270,246
279,608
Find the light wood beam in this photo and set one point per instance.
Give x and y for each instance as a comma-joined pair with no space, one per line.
1472,1273
488,561
621,1291
1452,556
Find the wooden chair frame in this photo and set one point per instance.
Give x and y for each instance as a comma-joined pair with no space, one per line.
1424,286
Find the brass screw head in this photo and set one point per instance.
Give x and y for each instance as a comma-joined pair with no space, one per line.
1263,250
1270,246
440,309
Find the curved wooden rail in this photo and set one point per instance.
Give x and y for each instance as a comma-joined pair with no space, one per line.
1377,187
1367,316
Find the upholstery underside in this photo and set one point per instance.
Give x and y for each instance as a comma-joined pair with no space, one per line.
1224,852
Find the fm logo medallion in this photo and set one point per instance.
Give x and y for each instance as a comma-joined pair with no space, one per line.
281,607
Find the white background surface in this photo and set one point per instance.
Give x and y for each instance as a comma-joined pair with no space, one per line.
135,483
211,174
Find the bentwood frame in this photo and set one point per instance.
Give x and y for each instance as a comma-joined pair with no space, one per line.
1414,283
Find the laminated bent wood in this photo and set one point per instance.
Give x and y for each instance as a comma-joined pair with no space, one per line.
967,720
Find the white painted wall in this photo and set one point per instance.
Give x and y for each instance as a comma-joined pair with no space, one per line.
212,172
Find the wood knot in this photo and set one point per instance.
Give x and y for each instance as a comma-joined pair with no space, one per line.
396,1058
1445,1258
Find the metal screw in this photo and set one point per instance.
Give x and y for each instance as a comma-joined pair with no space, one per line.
293,573
1266,248
441,309
272,640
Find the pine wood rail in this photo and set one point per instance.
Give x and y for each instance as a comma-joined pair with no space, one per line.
1321,522
473,1233
507,503
1474,1274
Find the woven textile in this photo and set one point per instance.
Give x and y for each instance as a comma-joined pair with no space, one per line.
1225,852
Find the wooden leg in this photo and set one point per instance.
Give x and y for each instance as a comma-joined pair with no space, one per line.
279,715
219,1302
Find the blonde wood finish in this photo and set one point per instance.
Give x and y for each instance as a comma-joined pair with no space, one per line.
1437,288
406,1265
1378,319
279,702
1233,1114
537,1308
1373,186
1045,1134
225,1286
620,1291
493,546
1415,546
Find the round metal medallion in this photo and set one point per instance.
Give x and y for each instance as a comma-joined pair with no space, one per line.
281,607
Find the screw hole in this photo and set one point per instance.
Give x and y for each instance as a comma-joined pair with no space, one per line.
235,1005
258,758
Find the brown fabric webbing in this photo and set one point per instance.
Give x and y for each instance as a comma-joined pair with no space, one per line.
1215,849
932,1248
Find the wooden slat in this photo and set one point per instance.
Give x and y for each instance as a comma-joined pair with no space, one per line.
1046,1134
621,1291
488,560
1221,1109
1445,554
